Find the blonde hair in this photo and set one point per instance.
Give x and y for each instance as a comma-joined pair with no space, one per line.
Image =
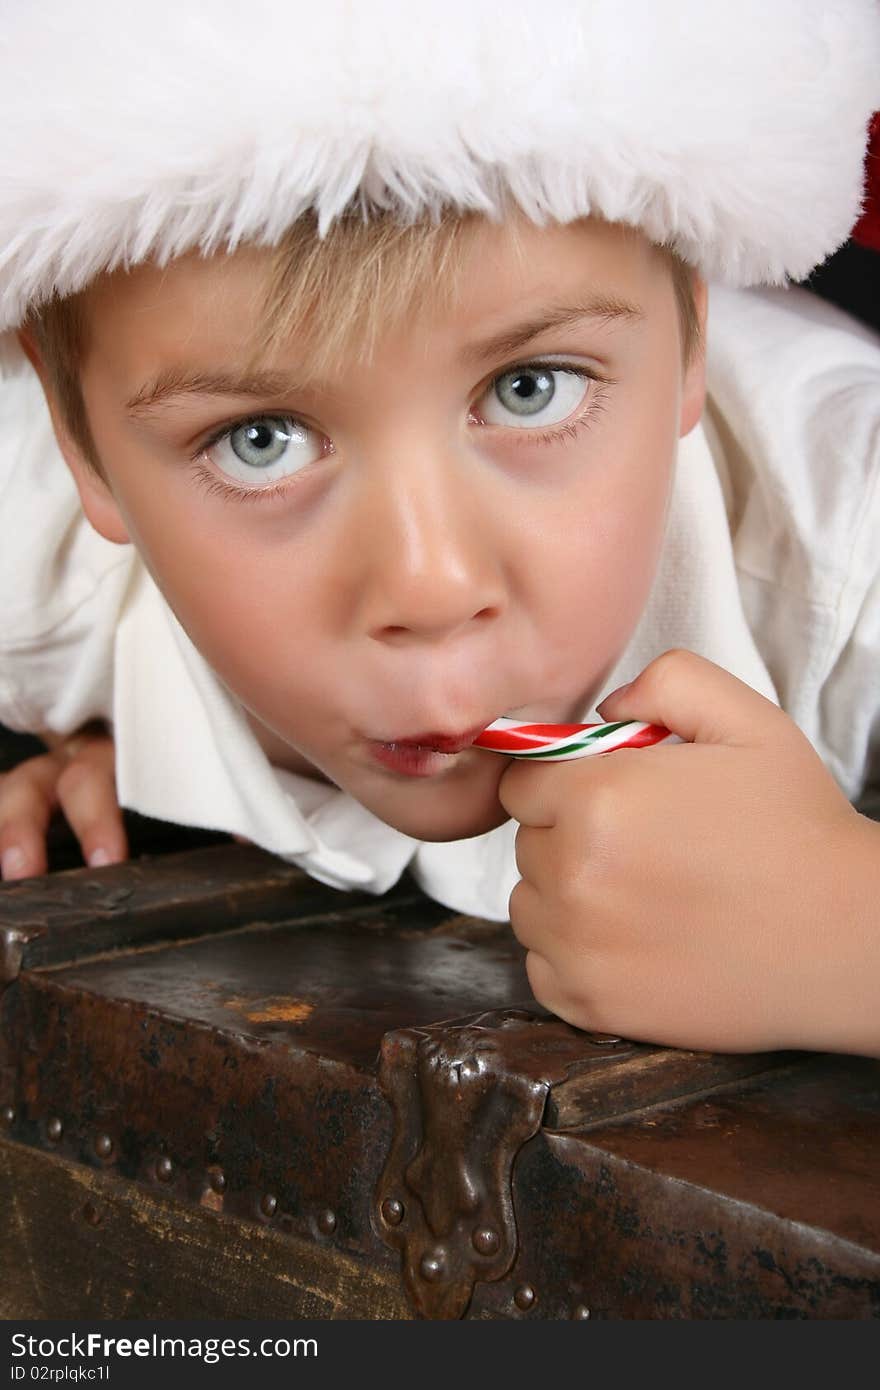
336,290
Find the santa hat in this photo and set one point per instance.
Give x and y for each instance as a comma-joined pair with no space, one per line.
732,132
867,230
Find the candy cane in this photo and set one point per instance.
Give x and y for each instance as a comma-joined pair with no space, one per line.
556,743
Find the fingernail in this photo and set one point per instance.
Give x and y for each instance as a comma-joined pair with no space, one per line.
99,857
13,862
621,690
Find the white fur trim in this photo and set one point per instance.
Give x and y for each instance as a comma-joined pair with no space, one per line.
732,129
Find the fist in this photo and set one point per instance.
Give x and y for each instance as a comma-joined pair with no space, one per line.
694,894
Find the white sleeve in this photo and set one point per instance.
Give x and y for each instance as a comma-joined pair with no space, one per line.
61,584
849,705
795,388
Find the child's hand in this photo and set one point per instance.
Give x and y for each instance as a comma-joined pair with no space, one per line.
75,775
721,894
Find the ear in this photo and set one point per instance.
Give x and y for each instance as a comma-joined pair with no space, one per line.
95,493
693,396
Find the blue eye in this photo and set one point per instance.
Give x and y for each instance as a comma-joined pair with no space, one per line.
533,396
527,391
264,449
260,443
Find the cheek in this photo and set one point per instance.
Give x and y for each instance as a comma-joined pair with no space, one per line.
629,536
600,563
608,538
247,599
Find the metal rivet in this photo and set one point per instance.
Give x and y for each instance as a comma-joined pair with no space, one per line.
524,1296
485,1240
103,1146
55,1128
91,1214
580,1312
432,1267
164,1168
217,1180
268,1204
327,1222
392,1211
7,1114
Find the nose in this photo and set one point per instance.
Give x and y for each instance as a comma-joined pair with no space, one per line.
430,568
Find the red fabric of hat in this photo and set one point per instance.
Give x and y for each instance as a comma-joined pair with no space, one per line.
867,230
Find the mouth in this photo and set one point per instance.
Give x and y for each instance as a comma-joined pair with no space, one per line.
422,755
439,743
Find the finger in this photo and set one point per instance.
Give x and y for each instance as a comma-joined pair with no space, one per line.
546,962
529,792
544,982
533,850
87,795
537,794
22,850
697,700
27,800
525,912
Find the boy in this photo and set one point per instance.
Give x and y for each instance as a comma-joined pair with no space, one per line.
370,376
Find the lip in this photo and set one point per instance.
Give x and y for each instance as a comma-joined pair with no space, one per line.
422,755
437,742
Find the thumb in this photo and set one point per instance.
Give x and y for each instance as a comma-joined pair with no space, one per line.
697,700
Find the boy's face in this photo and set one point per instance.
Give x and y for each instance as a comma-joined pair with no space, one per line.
380,563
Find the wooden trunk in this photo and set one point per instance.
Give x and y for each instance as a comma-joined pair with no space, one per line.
228,1091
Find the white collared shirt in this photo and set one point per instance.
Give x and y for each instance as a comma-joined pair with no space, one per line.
770,568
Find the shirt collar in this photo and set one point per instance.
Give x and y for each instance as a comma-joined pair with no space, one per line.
186,754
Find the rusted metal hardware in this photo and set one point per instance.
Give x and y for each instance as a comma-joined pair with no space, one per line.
466,1097
13,941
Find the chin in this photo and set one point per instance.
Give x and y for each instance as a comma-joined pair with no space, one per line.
438,823
442,833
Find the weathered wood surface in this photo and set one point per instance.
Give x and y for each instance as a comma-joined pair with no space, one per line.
758,1200
79,914
196,1041
85,1244
676,1212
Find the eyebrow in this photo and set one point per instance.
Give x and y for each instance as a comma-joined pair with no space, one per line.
181,381
174,382
608,308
